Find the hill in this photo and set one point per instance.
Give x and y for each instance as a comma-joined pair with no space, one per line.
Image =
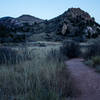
72,24
29,19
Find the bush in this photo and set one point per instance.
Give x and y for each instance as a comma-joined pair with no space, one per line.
71,49
93,49
96,61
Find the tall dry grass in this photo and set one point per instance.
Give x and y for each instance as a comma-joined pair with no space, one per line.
43,77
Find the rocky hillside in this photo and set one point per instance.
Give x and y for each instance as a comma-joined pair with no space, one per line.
73,24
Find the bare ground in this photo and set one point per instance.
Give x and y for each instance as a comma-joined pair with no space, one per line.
86,79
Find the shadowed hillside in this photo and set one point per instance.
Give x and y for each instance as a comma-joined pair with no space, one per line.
74,24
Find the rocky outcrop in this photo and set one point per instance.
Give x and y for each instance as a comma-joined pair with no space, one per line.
64,29
14,30
75,22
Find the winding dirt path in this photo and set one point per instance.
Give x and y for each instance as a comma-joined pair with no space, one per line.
86,79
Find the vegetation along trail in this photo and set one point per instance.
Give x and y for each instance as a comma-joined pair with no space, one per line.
88,81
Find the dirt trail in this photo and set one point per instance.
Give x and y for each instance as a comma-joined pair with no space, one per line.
87,80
